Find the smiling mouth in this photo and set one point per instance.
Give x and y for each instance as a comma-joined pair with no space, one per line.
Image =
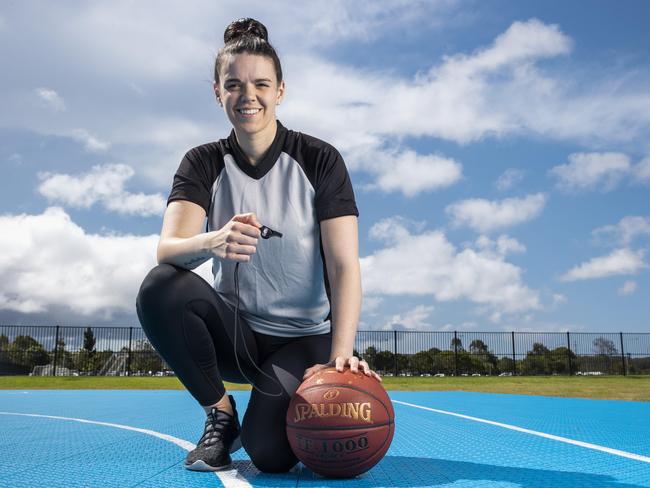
248,111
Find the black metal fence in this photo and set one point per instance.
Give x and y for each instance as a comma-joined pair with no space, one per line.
78,351
125,351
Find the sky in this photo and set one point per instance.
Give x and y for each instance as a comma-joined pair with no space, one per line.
499,152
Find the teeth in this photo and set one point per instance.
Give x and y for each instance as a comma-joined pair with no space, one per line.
249,112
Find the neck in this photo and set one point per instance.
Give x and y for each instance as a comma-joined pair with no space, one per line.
255,145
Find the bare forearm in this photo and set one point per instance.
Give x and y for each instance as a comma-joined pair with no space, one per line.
346,306
188,252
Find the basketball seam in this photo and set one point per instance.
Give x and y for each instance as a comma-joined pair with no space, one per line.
331,427
352,388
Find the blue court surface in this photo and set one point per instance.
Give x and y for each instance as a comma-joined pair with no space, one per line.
68,438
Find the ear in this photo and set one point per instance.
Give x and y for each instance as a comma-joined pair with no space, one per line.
215,87
281,89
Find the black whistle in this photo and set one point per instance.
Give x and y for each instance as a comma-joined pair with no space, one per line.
267,232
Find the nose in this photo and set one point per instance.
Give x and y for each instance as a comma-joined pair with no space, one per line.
249,92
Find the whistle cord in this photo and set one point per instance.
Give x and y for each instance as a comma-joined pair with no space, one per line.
246,347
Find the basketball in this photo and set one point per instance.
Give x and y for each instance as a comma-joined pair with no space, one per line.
340,424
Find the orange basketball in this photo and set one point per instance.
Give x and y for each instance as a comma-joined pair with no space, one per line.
340,424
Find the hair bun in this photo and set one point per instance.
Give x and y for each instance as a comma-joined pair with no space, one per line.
245,27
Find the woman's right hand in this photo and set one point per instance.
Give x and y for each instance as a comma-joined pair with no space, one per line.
237,240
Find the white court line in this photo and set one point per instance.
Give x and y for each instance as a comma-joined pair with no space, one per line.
595,447
229,478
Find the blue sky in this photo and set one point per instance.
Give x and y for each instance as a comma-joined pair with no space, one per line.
498,150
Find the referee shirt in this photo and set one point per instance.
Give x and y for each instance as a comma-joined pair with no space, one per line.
300,181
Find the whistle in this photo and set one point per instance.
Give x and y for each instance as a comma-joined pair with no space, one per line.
267,232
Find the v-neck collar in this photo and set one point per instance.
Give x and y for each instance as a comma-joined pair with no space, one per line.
268,160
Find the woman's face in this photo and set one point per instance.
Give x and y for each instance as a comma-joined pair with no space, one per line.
248,81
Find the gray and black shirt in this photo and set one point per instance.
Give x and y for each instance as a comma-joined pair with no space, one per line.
299,182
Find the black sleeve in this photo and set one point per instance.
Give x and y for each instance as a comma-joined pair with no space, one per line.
193,180
334,194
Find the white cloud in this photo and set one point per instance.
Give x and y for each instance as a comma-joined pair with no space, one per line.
103,184
628,288
502,246
325,23
559,299
642,171
428,264
415,319
497,90
370,303
48,261
619,262
543,326
463,326
412,173
509,178
91,143
627,229
592,170
486,216
395,229
51,98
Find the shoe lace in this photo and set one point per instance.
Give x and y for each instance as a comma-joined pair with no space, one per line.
215,428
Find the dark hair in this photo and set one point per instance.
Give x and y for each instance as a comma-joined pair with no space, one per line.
247,35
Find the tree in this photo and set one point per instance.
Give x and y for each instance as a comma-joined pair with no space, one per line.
477,346
559,360
604,347
606,350
89,341
536,360
143,357
457,343
63,358
370,355
27,351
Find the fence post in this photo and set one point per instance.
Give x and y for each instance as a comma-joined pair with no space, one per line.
514,357
56,350
395,351
128,357
455,354
568,347
623,355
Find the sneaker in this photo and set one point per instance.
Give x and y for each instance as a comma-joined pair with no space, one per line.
220,438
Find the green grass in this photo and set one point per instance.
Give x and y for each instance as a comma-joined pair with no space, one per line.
605,387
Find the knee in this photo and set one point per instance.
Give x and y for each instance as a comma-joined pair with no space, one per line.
269,457
155,283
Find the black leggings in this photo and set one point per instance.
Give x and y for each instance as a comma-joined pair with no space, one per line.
193,330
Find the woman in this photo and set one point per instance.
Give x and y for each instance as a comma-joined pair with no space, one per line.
277,328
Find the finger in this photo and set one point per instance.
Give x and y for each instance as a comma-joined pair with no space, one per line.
243,256
251,219
243,239
340,364
308,373
247,229
354,364
365,367
240,249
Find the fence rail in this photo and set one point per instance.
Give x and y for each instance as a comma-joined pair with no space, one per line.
126,351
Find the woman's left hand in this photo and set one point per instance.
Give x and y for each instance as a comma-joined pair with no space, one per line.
341,362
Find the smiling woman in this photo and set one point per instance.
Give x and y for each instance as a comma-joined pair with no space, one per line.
298,292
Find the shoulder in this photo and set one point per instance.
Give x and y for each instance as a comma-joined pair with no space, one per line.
310,149
207,152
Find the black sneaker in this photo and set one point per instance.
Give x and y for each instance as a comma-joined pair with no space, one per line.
219,439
